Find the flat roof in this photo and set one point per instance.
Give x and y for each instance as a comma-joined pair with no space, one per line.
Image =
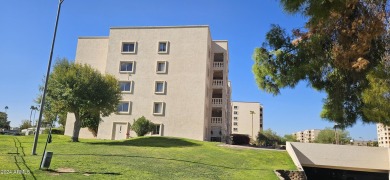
159,27
346,157
245,102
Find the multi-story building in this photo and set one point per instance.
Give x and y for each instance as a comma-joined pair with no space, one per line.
307,136
247,118
175,76
383,132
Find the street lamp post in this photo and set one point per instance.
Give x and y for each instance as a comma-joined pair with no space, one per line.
47,79
252,112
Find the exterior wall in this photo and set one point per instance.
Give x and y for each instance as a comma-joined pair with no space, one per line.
242,118
383,133
220,94
188,90
92,51
307,136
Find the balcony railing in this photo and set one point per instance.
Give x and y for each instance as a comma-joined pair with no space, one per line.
218,83
218,65
216,101
216,120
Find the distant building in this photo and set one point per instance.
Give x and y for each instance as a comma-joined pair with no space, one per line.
175,76
242,122
383,135
307,136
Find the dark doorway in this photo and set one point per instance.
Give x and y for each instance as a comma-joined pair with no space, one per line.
336,174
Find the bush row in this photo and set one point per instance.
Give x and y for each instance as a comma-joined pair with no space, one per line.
55,131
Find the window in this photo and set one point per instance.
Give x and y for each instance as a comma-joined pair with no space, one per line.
126,67
128,47
124,107
235,129
159,87
126,86
235,107
158,108
163,47
156,129
161,67
235,118
235,112
235,123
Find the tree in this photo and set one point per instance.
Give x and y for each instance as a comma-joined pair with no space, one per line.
142,126
342,42
268,138
25,124
3,120
83,91
62,119
290,138
328,136
91,120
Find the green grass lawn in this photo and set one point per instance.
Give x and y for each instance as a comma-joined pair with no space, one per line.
138,158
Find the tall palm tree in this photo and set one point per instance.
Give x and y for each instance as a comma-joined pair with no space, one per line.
32,109
5,109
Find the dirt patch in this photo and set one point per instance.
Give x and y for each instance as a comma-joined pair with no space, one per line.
65,170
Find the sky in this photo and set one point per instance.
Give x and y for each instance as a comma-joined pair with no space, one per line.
27,29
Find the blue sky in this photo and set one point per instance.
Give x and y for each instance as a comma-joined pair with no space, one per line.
27,28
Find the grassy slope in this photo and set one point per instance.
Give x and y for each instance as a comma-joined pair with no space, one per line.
139,158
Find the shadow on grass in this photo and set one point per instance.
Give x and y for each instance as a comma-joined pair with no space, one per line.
164,142
21,171
87,172
167,159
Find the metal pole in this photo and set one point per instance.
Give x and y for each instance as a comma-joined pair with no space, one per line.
47,140
47,79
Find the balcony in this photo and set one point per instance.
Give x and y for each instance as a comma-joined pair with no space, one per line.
218,65
216,102
218,83
216,120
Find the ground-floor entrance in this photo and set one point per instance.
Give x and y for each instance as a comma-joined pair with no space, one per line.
120,130
216,134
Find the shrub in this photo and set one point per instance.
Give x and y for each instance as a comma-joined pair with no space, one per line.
240,139
55,131
25,124
142,126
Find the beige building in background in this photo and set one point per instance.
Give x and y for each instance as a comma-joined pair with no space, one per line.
383,133
307,136
175,76
242,122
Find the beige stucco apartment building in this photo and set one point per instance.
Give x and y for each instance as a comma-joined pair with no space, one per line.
242,114
307,136
383,133
175,76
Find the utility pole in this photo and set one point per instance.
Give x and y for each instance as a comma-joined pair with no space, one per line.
47,79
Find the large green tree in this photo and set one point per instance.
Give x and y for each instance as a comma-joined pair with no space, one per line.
342,42
83,91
